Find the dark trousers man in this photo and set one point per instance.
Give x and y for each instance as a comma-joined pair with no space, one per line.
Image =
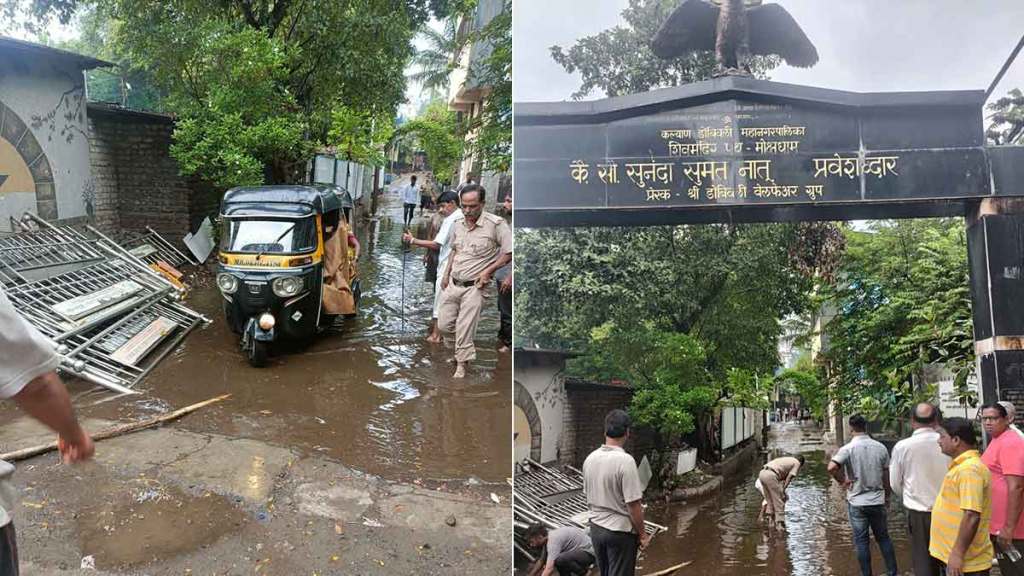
575,563
1006,566
863,518
409,213
8,551
615,551
919,524
505,313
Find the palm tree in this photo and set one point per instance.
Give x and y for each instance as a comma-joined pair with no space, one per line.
436,62
1007,119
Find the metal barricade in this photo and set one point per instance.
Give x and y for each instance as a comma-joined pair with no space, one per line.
151,247
552,498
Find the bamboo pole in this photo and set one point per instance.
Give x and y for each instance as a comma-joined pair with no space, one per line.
114,430
670,570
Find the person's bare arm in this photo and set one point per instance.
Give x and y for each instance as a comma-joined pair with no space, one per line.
885,484
1014,500
837,474
636,518
46,399
968,528
538,564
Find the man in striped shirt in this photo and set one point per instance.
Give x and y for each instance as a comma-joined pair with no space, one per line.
960,517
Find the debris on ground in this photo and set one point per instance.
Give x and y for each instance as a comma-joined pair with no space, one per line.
112,311
551,497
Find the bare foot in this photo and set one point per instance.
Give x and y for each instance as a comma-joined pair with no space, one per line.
502,349
434,337
460,371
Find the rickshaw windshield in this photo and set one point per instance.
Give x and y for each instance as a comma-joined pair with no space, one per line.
268,236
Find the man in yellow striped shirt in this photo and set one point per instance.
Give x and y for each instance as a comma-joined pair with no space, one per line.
960,517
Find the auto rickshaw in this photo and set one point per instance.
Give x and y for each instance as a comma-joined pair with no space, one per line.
286,270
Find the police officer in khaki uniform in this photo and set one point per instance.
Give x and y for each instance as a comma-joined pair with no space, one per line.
481,243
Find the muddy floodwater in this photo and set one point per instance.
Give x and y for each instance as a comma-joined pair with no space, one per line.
721,534
371,393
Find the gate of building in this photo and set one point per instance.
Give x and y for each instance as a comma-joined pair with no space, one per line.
737,149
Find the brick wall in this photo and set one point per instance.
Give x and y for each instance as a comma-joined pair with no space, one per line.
136,181
585,408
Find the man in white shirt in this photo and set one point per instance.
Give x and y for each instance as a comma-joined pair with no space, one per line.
27,363
410,196
916,470
447,204
1011,414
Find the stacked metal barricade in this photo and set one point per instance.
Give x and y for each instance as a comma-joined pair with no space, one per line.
110,315
551,497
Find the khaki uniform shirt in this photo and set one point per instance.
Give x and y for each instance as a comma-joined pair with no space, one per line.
610,480
474,250
784,467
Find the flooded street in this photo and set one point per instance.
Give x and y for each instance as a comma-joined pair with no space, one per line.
371,392
722,536
355,453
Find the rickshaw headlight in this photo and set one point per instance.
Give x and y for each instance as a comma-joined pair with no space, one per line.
227,283
286,286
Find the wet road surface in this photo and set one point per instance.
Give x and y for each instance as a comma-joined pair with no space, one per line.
371,393
722,536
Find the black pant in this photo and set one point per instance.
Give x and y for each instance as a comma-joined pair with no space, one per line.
424,202
919,524
979,573
615,551
505,312
1006,567
575,563
8,551
407,215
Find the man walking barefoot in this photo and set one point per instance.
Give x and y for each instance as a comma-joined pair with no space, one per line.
481,243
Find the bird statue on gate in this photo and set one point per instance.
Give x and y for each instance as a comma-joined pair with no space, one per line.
735,30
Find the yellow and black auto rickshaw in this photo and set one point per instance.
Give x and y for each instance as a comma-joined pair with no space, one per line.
286,270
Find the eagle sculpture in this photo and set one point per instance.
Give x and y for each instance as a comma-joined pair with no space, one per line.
735,30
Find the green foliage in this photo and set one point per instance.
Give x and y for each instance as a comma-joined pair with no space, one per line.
360,135
436,133
1007,119
124,83
902,302
619,60
256,85
805,384
633,300
435,62
668,371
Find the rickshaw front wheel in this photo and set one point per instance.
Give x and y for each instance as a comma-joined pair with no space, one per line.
257,353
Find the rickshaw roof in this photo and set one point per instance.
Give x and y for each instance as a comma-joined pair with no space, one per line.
295,200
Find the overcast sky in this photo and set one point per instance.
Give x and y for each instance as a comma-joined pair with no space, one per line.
864,45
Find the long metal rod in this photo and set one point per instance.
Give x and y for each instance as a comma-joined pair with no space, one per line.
162,240
1006,66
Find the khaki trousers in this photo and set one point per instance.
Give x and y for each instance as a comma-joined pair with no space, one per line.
458,318
773,494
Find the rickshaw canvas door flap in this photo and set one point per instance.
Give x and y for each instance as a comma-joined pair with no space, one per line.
337,293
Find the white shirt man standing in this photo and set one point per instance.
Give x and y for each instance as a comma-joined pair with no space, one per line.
916,470
613,489
410,196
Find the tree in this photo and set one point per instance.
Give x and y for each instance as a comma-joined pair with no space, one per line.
436,62
125,83
1007,119
619,60
436,133
903,303
359,135
255,84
